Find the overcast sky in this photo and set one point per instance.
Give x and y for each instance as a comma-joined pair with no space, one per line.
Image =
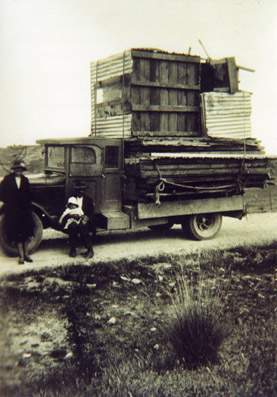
46,47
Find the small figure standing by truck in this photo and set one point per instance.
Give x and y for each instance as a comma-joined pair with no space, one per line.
16,196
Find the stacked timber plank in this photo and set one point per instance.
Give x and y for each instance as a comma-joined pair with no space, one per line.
194,167
139,146
183,171
180,141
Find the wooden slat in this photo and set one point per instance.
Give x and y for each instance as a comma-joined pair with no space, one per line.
200,165
164,96
139,133
165,56
136,124
176,86
233,171
112,108
172,95
233,74
145,93
164,108
198,180
154,122
126,79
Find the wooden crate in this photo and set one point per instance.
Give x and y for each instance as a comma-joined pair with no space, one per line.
146,93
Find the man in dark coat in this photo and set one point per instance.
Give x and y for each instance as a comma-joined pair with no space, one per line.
86,204
86,226
16,196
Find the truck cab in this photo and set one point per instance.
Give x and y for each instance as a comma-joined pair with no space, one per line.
96,162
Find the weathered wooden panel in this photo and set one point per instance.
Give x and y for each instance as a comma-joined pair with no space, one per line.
261,200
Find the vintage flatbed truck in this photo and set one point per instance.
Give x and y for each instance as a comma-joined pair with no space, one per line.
170,143
99,163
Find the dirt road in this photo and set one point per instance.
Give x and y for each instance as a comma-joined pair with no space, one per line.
53,251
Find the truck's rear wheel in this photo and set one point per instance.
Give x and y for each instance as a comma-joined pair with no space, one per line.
202,226
33,243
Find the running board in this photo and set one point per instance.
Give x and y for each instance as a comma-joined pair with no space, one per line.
115,220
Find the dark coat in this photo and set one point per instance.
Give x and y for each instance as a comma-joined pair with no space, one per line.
88,210
17,208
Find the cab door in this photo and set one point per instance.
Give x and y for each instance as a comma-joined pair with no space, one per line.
86,165
111,184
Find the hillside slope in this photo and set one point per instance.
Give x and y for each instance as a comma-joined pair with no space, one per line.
31,154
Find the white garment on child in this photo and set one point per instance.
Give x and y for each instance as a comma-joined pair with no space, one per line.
70,212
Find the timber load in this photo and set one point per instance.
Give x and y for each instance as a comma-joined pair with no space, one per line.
180,175
186,125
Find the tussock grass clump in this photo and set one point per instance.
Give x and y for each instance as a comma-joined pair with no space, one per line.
198,322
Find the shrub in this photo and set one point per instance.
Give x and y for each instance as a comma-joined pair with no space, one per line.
198,322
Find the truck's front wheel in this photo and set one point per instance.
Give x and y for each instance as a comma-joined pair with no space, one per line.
33,243
202,226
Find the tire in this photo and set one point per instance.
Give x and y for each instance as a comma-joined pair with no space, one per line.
33,243
161,228
202,226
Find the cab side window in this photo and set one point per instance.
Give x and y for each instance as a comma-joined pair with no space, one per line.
111,157
83,159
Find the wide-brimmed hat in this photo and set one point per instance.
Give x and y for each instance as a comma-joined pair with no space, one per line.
80,185
18,164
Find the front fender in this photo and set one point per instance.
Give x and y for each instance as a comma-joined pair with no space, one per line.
46,219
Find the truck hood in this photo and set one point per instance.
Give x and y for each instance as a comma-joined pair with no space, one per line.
46,179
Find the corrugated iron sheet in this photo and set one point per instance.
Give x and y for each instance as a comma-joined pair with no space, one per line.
117,65
113,126
227,115
113,66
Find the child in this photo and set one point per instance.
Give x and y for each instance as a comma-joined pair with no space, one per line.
72,214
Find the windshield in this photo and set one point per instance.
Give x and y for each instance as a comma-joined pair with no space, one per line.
55,157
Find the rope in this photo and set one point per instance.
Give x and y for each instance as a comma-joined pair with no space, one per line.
95,98
123,118
165,181
160,187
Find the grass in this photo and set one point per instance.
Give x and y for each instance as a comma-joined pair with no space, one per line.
198,322
135,356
